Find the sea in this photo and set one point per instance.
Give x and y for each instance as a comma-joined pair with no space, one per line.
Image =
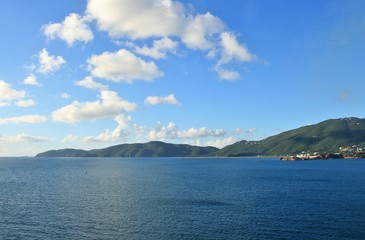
181,198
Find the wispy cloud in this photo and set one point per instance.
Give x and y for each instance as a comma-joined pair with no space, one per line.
159,48
89,82
343,95
32,119
23,138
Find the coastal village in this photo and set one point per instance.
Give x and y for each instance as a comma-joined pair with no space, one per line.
344,152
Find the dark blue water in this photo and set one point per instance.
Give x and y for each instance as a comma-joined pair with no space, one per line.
172,198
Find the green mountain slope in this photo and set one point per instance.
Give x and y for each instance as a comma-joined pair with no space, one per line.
150,149
324,137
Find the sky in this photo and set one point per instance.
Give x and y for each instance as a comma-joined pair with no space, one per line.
91,74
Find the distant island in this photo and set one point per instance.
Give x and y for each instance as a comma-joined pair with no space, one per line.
334,138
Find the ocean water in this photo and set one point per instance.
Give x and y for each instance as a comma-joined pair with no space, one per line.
177,198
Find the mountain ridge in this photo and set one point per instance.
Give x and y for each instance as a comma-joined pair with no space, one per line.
149,149
324,137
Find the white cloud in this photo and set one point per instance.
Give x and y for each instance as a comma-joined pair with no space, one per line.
48,63
138,18
89,82
111,136
159,48
32,80
73,28
200,132
226,74
122,66
25,103
109,105
70,138
154,19
220,142
233,50
23,138
153,100
160,132
200,30
31,119
142,19
7,93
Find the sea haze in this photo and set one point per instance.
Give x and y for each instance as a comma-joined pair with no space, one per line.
181,198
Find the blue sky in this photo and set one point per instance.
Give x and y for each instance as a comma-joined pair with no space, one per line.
90,74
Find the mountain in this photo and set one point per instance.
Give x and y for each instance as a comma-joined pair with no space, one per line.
325,137
150,149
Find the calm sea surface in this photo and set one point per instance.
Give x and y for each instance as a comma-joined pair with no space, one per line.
174,198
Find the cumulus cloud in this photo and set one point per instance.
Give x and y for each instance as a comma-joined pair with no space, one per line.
137,18
70,138
32,80
7,93
25,103
122,66
89,82
31,119
49,63
23,138
200,30
160,20
159,48
153,100
111,136
160,132
74,28
141,19
220,142
109,105
200,132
